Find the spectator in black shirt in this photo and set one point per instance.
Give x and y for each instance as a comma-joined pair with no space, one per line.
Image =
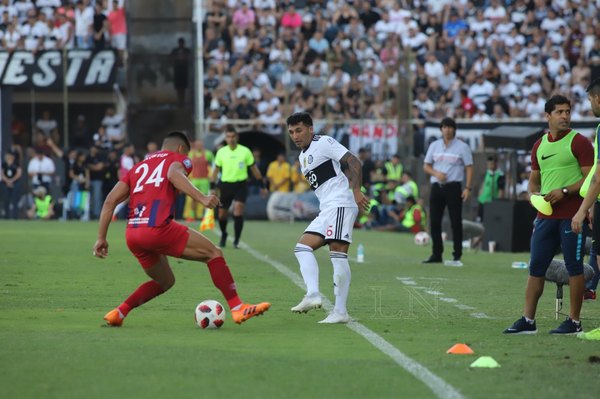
111,172
9,183
181,56
95,163
368,16
100,27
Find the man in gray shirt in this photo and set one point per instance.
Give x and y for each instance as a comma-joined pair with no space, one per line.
447,161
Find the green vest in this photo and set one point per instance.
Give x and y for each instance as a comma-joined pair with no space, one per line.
558,166
586,183
42,206
365,217
393,172
414,188
490,186
409,216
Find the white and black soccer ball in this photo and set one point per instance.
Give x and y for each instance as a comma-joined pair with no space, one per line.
210,314
422,238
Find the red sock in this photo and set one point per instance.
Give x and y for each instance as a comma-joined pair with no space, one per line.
144,293
223,280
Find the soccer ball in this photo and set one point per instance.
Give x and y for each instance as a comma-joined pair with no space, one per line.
421,238
210,314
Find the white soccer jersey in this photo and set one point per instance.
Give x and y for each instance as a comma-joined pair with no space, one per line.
320,165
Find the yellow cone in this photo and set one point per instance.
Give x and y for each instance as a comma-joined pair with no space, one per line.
208,220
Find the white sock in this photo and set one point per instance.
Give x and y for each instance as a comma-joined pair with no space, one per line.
309,268
341,280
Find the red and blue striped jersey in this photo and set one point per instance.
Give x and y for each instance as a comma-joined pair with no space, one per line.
151,194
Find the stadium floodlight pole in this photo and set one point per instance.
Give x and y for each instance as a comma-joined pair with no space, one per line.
199,70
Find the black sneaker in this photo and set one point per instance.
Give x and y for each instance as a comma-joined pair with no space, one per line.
432,259
521,326
236,244
223,241
567,327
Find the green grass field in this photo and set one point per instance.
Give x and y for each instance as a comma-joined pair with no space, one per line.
53,294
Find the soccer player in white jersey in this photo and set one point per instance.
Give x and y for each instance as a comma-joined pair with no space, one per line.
340,198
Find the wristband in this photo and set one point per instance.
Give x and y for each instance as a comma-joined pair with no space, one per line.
212,185
262,183
468,188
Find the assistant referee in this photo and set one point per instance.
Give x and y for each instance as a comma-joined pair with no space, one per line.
232,162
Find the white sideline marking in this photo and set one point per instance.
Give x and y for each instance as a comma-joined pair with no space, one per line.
412,283
440,387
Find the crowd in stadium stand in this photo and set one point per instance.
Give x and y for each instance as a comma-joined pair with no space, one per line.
54,24
481,60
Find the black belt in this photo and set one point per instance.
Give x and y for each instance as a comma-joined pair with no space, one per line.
450,183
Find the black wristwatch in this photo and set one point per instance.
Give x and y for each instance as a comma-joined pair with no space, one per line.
565,191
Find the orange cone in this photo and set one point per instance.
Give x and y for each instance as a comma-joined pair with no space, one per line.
460,349
208,221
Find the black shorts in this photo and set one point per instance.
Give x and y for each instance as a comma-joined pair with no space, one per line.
230,192
596,227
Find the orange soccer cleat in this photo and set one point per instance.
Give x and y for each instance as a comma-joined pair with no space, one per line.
113,318
247,311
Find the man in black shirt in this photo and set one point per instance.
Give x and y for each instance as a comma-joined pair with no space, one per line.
95,162
100,27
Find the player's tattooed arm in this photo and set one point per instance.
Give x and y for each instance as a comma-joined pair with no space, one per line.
352,169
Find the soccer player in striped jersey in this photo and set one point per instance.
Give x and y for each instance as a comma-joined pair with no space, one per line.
340,198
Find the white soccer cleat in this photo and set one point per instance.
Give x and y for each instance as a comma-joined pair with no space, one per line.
455,263
308,303
336,318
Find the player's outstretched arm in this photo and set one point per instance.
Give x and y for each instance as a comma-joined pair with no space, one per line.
178,178
118,194
353,171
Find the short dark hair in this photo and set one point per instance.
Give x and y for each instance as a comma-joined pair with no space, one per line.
300,117
594,87
554,101
230,129
179,135
447,121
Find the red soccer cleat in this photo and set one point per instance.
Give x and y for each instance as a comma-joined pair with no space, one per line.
589,295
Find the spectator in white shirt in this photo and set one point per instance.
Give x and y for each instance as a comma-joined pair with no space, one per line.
271,121
84,18
518,75
249,91
384,27
551,22
113,123
11,38
41,169
531,85
480,115
8,8
264,4
22,7
48,125
534,107
494,12
479,24
480,90
554,63
433,68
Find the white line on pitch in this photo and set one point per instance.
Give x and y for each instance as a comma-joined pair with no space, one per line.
440,387
439,295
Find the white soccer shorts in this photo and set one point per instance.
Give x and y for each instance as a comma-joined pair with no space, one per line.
334,224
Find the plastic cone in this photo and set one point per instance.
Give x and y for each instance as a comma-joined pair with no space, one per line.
485,362
460,349
208,220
